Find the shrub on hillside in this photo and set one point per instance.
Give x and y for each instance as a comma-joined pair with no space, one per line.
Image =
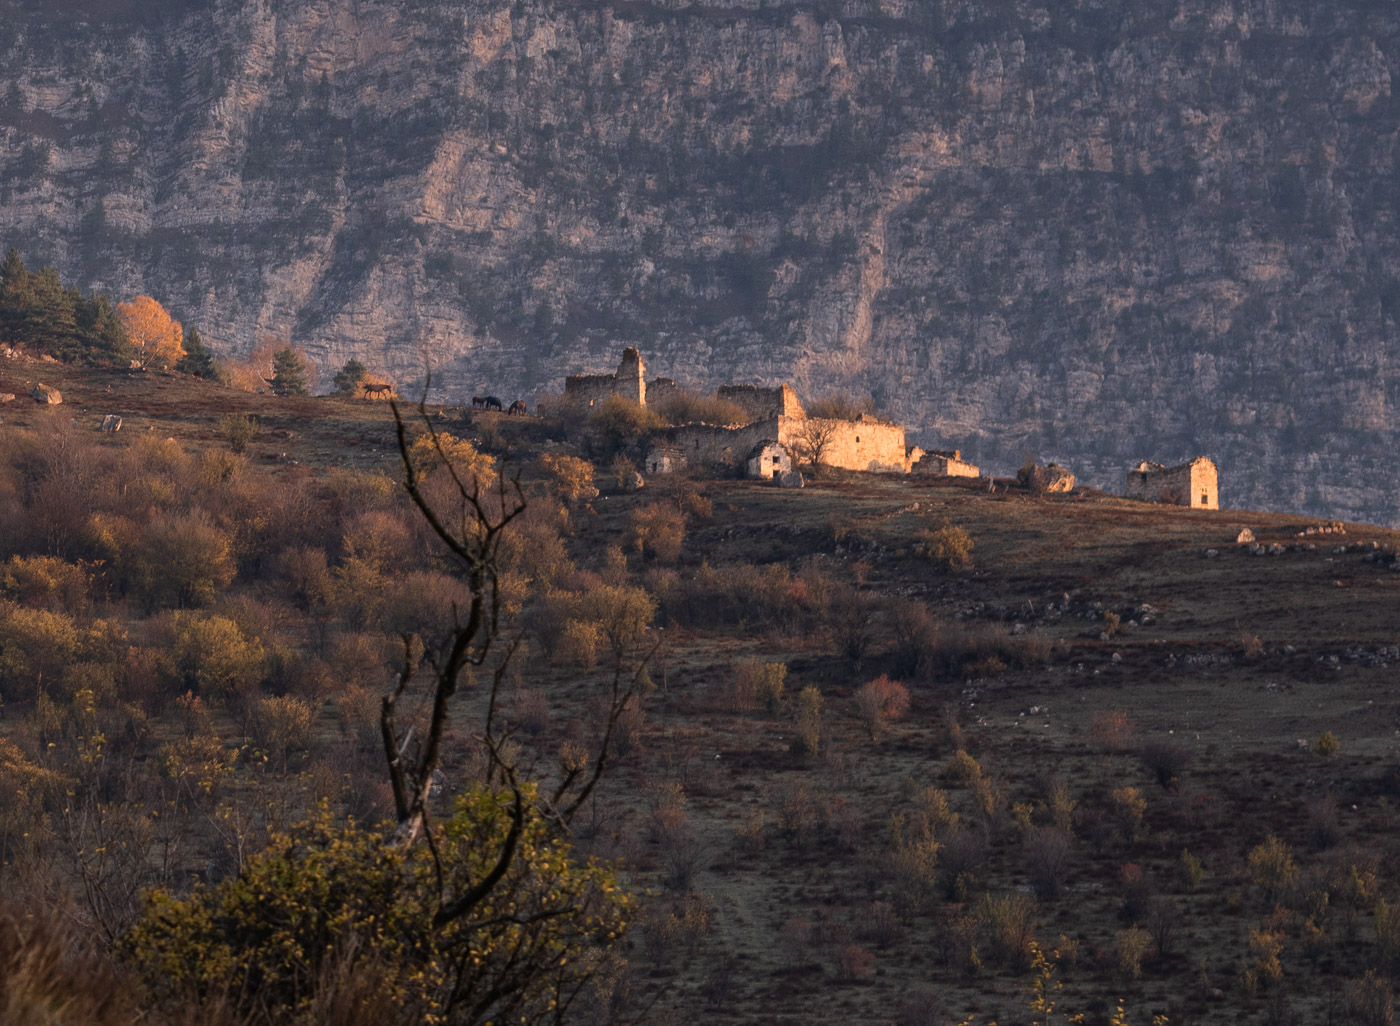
948,546
657,531
1047,851
841,407
35,646
210,656
1272,869
329,906
180,561
615,424
682,407
878,702
238,430
1166,758
46,582
569,477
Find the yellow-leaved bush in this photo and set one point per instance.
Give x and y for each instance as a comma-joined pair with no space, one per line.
331,901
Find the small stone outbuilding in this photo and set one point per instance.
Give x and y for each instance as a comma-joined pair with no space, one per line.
946,463
1192,484
767,460
664,459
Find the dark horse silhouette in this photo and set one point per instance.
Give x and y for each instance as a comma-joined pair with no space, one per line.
374,391
518,407
485,402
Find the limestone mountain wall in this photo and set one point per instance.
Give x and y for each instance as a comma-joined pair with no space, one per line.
1090,229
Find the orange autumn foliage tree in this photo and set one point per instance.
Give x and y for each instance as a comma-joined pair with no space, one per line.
154,334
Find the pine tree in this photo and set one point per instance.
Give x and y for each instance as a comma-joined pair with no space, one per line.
288,373
103,338
14,292
197,361
347,380
38,312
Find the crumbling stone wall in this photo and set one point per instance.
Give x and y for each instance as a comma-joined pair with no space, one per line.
848,444
763,403
627,383
1193,484
865,444
722,446
658,390
946,463
665,459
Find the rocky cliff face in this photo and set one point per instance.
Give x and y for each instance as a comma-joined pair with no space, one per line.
1100,230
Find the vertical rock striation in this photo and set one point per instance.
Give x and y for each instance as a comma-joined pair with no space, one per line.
1099,230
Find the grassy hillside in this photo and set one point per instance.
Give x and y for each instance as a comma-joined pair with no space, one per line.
1085,738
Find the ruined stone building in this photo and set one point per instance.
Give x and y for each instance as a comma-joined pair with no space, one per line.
628,383
946,463
763,403
664,458
867,444
768,459
775,418
1188,484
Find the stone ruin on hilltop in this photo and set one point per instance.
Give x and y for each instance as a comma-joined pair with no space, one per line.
777,418
1187,484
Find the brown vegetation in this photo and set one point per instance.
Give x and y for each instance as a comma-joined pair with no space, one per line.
840,775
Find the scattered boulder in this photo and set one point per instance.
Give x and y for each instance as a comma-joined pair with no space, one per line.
1245,537
1058,478
46,358
634,482
111,423
792,479
7,397
46,394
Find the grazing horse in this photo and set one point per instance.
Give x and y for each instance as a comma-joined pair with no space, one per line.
518,407
478,402
373,391
491,403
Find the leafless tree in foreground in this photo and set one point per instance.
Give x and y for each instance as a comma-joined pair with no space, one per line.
472,531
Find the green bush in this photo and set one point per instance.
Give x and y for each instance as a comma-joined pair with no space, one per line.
328,903
211,656
347,380
949,546
1326,744
238,430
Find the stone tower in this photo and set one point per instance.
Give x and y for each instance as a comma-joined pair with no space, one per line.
631,383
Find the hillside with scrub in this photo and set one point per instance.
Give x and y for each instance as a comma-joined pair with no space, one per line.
880,749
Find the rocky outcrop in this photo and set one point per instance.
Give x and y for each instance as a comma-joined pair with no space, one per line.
1085,228
46,395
